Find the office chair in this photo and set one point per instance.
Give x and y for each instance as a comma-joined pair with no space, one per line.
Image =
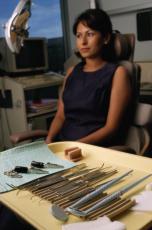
137,139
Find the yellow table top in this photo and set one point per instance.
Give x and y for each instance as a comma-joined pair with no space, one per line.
37,212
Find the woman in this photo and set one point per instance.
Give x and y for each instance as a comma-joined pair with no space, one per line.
96,92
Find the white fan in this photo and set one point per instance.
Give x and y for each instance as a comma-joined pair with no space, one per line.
16,27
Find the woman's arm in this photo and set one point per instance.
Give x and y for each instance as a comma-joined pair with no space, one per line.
59,118
57,123
119,100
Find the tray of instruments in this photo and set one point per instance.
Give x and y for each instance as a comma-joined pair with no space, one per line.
43,203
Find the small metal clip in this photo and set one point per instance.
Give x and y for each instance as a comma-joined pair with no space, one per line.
12,174
35,170
22,169
51,165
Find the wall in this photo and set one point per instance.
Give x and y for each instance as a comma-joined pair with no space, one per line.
146,73
121,6
123,16
75,7
126,23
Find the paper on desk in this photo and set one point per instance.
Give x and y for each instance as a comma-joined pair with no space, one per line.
144,201
102,223
22,156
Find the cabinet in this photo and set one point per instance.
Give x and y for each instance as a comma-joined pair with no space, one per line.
25,90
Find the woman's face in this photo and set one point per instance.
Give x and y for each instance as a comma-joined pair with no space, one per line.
89,42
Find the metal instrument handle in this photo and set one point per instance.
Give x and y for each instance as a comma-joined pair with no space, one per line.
99,190
21,169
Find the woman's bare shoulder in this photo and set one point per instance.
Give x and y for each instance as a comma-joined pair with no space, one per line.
121,70
122,79
121,74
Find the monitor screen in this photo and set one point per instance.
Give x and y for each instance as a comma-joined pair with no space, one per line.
32,53
33,56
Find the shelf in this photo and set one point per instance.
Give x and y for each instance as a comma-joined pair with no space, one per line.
41,107
51,111
40,81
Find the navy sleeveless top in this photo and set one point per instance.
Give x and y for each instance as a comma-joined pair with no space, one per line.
86,101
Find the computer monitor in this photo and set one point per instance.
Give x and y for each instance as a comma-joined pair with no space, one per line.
33,57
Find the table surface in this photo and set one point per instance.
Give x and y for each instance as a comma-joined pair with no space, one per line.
37,211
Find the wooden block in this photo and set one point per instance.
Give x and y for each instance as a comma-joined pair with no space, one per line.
73,154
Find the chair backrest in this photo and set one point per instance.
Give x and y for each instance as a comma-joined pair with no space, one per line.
124,45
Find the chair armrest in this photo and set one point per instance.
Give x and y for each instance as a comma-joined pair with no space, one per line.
138,141
123,148
27,135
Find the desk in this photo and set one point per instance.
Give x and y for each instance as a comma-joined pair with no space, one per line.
37,213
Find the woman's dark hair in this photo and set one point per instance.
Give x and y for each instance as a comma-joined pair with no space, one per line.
98,20
95,19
